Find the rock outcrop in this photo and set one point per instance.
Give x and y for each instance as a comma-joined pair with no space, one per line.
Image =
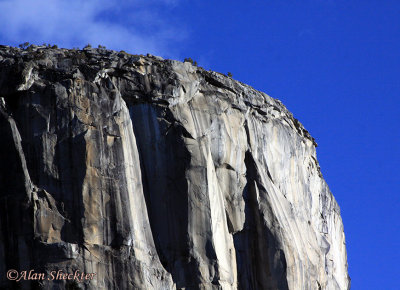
157,174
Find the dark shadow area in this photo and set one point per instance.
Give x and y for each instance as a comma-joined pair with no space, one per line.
164,160
261,263
16,230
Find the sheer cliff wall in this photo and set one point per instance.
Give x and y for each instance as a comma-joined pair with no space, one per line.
157,174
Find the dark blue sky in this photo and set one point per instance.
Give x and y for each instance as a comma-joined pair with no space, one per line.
334,64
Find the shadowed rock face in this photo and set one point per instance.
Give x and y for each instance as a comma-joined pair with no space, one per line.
156,174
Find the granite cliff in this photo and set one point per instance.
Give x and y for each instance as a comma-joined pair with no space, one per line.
157,174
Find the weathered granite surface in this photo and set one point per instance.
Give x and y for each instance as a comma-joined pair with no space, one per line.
157,174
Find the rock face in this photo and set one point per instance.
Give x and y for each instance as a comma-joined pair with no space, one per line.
157,174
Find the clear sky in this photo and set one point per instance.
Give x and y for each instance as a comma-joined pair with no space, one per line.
334,63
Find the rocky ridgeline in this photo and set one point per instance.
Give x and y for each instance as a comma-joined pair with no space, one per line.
157,174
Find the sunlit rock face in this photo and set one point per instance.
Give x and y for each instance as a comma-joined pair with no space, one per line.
157,174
